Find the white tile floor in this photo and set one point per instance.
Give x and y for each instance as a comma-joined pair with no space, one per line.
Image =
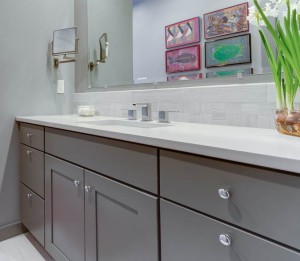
19,248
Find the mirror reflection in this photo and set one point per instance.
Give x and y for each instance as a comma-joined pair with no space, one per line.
170,40
64,41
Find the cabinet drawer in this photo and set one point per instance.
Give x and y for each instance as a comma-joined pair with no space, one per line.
189,236
32,135
32,213
131,163
263,201
32,169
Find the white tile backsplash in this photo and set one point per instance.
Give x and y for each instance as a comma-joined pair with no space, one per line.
249,105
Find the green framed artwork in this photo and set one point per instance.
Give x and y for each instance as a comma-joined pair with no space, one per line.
234,72
228,51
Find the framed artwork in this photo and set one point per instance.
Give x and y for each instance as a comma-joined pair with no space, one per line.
246,71
185,77
226,21
228,51
183,59
182,33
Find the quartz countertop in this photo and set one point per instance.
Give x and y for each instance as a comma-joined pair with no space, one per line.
260,147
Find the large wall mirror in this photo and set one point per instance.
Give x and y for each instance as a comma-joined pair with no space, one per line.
153,41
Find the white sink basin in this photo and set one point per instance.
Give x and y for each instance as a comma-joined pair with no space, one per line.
127,123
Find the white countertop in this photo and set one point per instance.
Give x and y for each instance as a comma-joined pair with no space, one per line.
261,147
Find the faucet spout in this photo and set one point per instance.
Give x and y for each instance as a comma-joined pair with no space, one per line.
146,111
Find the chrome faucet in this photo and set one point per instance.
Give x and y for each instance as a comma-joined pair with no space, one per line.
146,111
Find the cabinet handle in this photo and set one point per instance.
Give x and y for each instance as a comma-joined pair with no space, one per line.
29,135
29,195
76,183
225,239
88,188
29,153
224,193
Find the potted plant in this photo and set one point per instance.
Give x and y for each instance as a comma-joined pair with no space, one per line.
285,62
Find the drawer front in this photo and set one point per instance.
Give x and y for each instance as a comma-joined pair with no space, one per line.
131,163
265,202
32,135
32,169
189,236
32,213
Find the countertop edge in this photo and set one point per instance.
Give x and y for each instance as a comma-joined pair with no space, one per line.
266,161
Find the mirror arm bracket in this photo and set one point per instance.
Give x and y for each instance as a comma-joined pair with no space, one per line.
65,59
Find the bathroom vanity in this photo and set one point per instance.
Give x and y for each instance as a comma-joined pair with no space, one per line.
182,192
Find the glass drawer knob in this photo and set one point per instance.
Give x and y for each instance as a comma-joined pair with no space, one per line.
76,183
225,239
224,193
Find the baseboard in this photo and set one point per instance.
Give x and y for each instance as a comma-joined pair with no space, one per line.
11,230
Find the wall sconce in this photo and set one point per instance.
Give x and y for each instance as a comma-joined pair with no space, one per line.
65,42
104,47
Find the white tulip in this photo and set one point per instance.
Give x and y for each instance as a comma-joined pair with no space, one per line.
271,11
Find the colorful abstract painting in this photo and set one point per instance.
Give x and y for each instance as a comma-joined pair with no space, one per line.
182,33
229,51
183,59
235,72
185,77
226,21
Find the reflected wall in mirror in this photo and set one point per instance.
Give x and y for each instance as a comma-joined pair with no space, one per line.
137,39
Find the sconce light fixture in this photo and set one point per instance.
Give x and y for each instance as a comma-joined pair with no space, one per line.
104,47
65,42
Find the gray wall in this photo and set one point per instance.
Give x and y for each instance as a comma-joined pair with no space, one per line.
113,17
28,81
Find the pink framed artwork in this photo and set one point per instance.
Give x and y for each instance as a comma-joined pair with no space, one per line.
183,59
185,77
230,20
183,33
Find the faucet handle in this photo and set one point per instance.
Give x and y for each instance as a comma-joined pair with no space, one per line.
163,116
132,115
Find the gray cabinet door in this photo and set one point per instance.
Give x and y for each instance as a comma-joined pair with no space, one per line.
121,222
64,210
32,213
189,236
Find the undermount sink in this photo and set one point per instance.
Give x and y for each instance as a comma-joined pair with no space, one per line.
128,123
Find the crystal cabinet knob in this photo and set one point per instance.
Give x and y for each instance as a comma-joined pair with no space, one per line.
29,196
224,193
225,239
76,183
88,188
29,152
29,135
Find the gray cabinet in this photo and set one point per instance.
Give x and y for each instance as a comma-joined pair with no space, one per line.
131,163
121,222
189,236
32,204
32,169
32,135
32,213
64,210
260,200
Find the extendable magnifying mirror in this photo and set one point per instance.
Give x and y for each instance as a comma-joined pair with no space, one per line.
104,51
65,42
